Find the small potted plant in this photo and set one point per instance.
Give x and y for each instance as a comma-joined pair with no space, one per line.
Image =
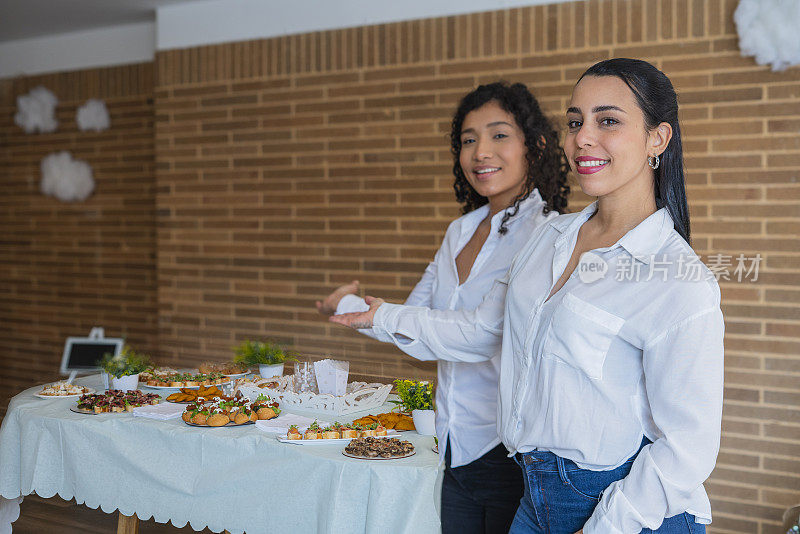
268,355
124,368
417,397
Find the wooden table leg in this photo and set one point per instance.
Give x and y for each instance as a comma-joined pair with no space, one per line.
127,524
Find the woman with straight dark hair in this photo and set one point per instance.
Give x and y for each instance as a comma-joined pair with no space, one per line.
610,391
510,177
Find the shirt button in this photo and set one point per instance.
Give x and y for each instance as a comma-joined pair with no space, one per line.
519,425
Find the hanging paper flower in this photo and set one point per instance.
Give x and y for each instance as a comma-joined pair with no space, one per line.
36,111
65,178
93,116
768,30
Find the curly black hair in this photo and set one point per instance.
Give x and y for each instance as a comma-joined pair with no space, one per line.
547,165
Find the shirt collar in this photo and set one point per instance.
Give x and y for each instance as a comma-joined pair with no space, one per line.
530,204
642,242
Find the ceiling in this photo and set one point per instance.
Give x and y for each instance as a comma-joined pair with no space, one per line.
23,19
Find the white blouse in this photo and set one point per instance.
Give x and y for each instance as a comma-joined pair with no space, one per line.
466,394
606,360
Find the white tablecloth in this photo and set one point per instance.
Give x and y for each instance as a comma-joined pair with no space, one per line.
239,479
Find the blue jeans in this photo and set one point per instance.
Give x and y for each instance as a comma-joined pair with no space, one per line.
482,496
560,497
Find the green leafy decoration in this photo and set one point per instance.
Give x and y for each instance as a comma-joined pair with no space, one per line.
414,395
127,362
262,353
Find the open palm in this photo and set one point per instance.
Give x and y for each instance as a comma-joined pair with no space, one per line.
359,320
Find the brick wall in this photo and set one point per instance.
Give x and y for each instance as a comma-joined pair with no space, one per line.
287,166
65,267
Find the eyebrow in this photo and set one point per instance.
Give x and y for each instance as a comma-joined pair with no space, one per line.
596,109
491,124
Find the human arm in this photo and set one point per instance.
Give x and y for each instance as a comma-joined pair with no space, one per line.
329,305
427,334
683,369
421,295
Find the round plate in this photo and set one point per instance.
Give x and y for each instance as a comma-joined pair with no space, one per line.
412,453
84,412
223,426
92,412
87,392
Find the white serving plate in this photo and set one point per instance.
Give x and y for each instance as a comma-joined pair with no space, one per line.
412,453
391,433
87,392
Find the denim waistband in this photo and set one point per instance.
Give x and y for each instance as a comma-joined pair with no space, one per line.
547,461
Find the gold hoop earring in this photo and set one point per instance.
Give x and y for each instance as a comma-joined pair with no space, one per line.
653,161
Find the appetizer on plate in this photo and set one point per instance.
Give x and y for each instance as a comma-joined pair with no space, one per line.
62,389
397,421
116,401
192,395
313,431
265,408
336,430
222,411
229,368
174,379
370,448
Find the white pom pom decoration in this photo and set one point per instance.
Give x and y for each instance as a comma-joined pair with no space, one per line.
36,111
768,30
65,178
93,116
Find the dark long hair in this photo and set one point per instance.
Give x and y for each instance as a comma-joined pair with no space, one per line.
547,165
659,103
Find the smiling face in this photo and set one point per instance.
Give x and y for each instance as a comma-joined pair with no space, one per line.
607,142
493,154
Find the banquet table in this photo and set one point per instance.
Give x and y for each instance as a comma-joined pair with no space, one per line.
230,478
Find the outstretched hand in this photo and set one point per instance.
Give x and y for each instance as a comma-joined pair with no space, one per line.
329,304
359,320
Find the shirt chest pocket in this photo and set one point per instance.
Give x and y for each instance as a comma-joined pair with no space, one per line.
580,335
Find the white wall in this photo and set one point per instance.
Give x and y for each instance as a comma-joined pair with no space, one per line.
117,45
218,21
205,22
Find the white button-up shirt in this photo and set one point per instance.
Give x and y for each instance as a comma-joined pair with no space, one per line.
602,363
466,393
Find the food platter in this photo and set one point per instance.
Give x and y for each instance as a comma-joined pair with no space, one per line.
369,448
412,453
284,439
87,392
114,401
191,395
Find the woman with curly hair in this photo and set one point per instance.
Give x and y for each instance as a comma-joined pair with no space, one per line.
510,176
612,354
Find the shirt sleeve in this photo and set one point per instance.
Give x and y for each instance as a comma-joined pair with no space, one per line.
683,369
421,295
453,335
